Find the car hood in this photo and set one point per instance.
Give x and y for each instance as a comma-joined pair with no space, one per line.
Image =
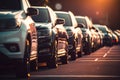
10,14
9,18
107,34
43,25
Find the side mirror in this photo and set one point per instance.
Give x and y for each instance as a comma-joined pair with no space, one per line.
96,30
60,21
81,25
92,28
32,11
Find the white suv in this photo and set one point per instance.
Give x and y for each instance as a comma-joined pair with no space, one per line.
18,37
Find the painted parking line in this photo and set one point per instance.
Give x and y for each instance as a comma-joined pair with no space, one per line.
75,76
98,60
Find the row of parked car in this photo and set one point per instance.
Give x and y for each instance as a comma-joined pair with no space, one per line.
35,34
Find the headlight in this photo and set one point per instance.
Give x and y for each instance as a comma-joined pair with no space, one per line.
85,35
45,32
9,24
107,36
70,33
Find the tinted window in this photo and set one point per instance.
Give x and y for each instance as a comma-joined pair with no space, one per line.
43,16
10,5
81,20
67,18
103,29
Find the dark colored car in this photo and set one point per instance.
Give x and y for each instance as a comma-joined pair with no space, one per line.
107,38
98,40
118,35
114,37
74,32
52,37
88,38
100,34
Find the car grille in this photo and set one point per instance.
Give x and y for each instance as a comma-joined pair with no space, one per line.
44,40
44,32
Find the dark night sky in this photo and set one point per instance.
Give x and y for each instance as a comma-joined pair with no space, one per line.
95,9
85,8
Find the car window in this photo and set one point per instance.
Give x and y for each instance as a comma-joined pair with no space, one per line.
6,5
102,29
81,20
42,17
67,18
74,21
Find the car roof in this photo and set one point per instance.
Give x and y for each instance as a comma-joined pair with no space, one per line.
40,7
63,12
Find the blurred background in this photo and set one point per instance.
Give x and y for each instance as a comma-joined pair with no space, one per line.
100,11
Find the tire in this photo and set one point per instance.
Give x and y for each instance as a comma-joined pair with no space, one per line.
73,54
52,62
88,49
64,59
80,53
23,70
23,67
34,65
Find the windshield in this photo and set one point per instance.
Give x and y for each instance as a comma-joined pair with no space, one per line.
42,17
67,18
6,5
103,29
80,20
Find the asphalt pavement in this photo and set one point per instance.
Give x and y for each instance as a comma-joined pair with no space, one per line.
103,64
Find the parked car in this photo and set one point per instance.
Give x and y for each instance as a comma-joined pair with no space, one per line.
97,38
74,32
118,35
88,39
107,38
52,37
18,37
100,34
114,37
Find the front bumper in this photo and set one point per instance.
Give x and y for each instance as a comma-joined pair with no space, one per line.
12,37
107,41
44,48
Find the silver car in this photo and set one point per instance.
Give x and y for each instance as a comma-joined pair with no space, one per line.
18,37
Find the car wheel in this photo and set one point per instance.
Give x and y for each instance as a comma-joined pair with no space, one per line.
23,67
88,49
73,54
64,59
52,62
34,65
80,52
